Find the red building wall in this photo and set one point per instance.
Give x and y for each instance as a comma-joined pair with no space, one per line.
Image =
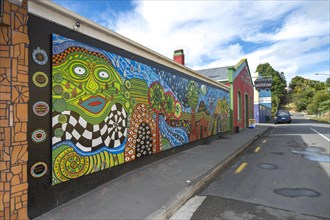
242,83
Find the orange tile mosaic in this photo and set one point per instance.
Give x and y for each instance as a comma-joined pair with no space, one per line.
26,53
19,137
2,166
18,37
6,197
24,177
4,123
21,113
14,195
19,187
22,10
4,53
18,21
18,51
23,70
17,127
4,36
9,176
13,7
13,89
5,96
22,213
5,62
3,113
23,77
14,68
5,89
20,94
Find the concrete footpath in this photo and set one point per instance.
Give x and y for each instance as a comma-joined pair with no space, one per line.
157,190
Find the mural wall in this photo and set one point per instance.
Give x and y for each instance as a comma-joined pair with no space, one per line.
108,109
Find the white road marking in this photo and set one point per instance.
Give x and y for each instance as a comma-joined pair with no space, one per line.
188,209
321,134
281,135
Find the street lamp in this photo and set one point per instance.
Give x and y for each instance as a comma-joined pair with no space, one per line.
326,74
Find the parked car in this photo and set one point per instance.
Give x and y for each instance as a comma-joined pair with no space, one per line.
283,116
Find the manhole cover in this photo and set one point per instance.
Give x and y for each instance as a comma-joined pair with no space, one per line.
267,166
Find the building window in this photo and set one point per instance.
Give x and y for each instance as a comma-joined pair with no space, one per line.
239,106
251,108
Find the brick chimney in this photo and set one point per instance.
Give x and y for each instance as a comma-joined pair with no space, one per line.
179,56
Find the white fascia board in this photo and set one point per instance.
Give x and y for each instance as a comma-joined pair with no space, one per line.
62,16
223,81
16,2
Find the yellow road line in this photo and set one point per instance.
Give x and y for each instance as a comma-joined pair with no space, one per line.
241,167
257,150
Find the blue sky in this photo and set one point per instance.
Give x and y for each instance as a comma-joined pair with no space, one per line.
293,36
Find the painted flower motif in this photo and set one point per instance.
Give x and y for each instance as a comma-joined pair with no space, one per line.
177,109
39,56
203,89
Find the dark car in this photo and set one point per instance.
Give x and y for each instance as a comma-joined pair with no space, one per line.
283,116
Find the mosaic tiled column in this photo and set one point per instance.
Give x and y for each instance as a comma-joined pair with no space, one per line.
14,95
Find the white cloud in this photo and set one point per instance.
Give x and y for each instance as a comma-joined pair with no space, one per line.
295,57
293,36
226,57
306,23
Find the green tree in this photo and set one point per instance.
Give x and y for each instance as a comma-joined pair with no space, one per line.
192,96
302,99
327,82
297,83
306,93
156,98
224,112
319,103
324,106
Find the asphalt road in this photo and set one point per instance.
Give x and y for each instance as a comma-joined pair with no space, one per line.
284,175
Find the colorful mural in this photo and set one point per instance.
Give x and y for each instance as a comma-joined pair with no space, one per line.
108,109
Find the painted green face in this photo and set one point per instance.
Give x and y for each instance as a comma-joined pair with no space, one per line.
83,82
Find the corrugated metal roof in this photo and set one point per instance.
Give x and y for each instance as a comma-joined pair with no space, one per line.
217,74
